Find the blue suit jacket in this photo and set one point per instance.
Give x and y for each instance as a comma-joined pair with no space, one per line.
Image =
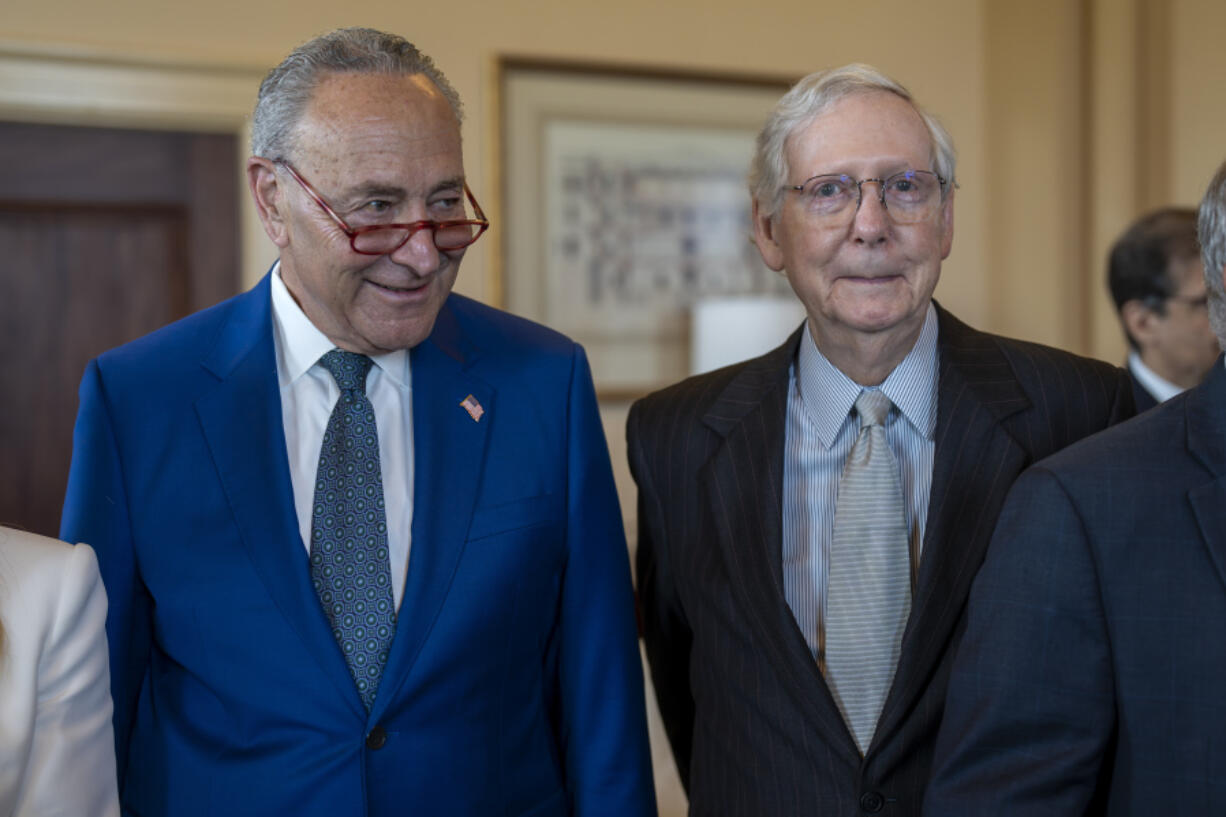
1091,678
513,685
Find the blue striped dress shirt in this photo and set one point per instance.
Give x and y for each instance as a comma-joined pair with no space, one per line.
820,432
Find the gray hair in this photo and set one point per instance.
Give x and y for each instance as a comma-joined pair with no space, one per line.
810,98
287,90
1211,229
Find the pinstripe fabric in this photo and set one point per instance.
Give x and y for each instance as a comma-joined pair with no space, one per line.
751,721
819,435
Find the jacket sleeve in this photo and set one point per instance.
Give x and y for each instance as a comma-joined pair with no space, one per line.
603,729
71,767
1029,713
666,633
96,511
1124,405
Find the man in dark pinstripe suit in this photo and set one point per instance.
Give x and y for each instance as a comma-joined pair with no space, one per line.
853,194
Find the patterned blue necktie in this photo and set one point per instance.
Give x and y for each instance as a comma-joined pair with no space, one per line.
349,559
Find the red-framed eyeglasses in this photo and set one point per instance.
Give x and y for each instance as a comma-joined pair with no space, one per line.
381,239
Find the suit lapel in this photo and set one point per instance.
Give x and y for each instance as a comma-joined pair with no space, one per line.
976,461
1206,442
449,457
242,424
743,483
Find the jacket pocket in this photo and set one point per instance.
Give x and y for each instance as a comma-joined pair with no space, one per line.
508,516
555,804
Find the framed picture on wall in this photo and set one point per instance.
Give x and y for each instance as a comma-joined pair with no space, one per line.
623,203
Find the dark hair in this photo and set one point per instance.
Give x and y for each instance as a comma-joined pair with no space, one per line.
287,90
1138,268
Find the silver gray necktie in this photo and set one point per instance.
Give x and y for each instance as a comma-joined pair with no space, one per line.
868,590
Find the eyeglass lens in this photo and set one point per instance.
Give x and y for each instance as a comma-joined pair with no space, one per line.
380,240
909,196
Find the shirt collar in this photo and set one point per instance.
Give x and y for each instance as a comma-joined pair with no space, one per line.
1161,388
300,344
828,395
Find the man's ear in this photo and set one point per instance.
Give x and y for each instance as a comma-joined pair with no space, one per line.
764,235
269,199
1138,320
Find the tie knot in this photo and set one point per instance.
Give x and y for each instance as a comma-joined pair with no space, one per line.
348,368
872,405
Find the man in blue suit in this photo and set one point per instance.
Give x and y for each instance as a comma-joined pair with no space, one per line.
359,534
1090,679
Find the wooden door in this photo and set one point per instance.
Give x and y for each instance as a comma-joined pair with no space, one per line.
105,235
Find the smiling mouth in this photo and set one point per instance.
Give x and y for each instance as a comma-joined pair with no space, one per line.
407,289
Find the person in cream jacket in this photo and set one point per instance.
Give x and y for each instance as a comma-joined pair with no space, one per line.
57,751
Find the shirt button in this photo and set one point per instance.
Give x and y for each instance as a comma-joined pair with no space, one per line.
872,802
376,739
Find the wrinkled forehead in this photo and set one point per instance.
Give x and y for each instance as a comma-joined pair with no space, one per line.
864,126
373,116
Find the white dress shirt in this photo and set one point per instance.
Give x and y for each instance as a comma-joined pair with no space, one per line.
820,432
57,748
1159,387
308,395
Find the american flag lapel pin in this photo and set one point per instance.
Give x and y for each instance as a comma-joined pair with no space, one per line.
473,408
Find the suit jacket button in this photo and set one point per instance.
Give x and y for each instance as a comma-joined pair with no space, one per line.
376,738
872,802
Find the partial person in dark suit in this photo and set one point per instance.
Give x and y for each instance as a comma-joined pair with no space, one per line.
360,534
1156,279
743,575
1090,680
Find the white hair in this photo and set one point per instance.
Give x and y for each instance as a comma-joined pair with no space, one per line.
811,97
287,90
1211,230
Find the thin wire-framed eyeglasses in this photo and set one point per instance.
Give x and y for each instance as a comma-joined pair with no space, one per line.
381,239
1191,301
908,197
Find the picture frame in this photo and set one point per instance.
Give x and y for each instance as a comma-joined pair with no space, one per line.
622,200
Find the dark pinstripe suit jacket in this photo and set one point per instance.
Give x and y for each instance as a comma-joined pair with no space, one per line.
751,721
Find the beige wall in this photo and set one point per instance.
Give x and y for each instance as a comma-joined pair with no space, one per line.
1070,117
1055,105
1197,112
928,48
